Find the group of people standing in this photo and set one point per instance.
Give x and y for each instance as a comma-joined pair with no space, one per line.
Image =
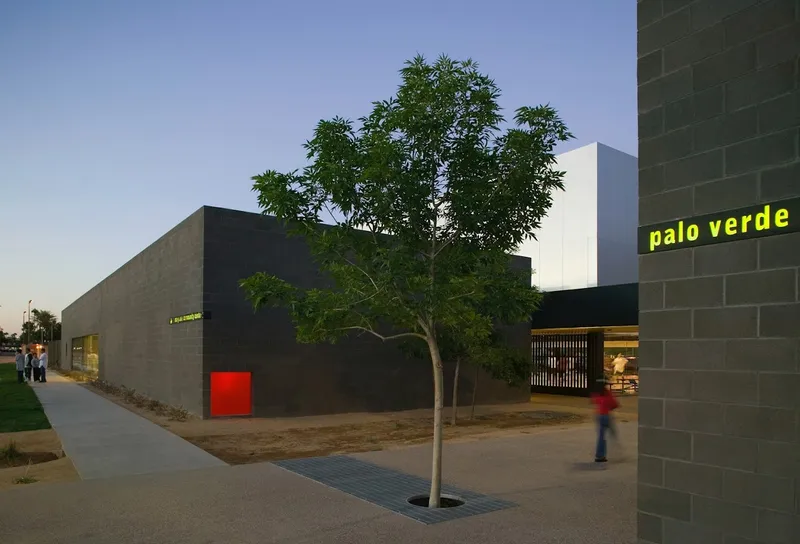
31,367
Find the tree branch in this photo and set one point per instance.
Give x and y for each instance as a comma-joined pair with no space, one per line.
354,265
382,337
462,295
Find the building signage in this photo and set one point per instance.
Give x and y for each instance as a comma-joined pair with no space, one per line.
717,228
188,317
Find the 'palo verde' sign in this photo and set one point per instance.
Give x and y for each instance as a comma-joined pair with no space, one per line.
188,317
716,228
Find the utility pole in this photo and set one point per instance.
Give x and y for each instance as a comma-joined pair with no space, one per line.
29,321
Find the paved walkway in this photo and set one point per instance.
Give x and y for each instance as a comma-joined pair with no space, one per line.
105,440
561,497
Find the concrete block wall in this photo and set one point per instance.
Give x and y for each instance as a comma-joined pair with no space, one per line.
719,120
130,312
358,374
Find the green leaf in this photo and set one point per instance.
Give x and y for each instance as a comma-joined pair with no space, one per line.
429,197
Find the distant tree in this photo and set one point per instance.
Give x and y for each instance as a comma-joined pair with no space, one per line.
501,362
28,332
45,322
428,196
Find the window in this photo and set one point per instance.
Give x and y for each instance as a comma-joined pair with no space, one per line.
86,354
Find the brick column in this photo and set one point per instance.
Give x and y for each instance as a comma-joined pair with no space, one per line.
719,120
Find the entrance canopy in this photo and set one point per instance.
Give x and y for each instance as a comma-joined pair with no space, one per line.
600,307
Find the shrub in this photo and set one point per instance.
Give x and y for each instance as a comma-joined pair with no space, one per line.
10,452
130,396
178,413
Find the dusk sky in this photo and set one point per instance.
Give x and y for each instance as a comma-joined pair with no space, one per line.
119,119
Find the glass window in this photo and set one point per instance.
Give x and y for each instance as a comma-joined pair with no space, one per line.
86,354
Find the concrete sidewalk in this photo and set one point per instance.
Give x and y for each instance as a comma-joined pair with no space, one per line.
561,497
105,440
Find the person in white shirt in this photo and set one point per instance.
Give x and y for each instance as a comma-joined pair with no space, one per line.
619,365
43,366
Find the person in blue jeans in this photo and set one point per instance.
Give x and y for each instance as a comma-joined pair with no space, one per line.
604,403
19,359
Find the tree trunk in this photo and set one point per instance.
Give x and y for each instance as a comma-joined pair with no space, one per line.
454,417
474,391
438,405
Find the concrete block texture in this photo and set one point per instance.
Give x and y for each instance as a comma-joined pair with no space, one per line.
759,88
726,194
130,312
197,267
694,293
358,374
725,451
761,287
693,478
781,181
719,102
695,354
684,415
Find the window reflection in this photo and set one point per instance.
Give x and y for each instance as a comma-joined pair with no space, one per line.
86,354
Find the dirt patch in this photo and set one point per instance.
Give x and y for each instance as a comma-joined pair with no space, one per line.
42,440
26,458
40,459
60,470
251,440
252,447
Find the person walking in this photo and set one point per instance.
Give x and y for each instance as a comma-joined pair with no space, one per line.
605,403
43,366
19,359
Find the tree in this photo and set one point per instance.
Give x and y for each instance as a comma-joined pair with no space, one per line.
501,362
45,323
428,197
28,332
490,353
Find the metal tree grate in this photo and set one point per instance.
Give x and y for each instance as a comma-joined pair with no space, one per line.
388,488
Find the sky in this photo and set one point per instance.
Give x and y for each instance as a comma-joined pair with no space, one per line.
119,119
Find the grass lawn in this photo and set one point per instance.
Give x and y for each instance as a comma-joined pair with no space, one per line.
20,409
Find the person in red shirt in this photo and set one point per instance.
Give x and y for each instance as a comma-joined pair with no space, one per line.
604,403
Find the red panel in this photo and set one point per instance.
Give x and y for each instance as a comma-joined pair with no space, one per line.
231,394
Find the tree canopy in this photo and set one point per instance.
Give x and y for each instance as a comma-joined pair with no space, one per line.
429,195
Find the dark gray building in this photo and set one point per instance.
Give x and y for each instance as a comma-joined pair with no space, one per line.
174,325
719,421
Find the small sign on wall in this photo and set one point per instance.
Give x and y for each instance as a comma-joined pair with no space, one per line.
195,316
716,228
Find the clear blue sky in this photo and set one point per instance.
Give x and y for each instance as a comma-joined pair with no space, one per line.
118,119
